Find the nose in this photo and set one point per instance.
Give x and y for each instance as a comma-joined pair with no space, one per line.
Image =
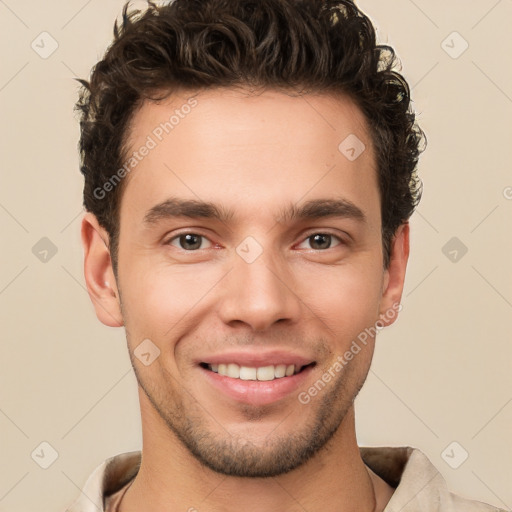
259,295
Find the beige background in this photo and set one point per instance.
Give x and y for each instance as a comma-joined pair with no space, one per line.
441,374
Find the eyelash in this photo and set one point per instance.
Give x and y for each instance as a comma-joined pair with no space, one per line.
308,237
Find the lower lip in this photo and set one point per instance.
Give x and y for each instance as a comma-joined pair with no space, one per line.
256,392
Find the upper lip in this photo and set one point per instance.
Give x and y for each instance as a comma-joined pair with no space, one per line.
257,359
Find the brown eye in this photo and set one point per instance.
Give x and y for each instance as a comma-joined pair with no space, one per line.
189,242
320,242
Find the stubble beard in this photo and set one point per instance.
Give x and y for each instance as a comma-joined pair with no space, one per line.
236,455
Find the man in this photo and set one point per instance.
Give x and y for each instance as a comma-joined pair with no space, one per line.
250,169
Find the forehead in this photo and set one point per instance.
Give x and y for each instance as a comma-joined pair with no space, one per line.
240,148
269,113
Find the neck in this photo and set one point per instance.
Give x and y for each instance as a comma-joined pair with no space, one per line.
171,479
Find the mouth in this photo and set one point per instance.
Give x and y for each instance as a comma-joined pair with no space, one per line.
256,378
256,373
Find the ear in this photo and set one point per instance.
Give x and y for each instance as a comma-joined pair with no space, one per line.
394,276
98,272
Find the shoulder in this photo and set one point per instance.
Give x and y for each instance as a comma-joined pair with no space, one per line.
418,485
462,504
108,478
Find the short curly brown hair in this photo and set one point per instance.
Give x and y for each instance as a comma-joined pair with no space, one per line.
321,46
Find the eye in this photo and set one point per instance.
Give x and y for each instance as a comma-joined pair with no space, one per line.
320,241
190,242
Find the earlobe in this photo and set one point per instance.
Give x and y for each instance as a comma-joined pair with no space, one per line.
393,283
98,272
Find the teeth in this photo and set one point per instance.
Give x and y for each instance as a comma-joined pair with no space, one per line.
266,373
280,370
262,373
247,373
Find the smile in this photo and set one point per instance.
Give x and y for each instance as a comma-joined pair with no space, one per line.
262,373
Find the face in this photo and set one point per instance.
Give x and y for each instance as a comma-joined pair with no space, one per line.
250,262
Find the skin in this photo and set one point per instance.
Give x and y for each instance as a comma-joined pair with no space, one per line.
252,156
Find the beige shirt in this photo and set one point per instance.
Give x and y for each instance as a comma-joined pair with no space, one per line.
418,485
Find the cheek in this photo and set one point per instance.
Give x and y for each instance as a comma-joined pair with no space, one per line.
345,298
160,302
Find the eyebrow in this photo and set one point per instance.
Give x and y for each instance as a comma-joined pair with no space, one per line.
314,209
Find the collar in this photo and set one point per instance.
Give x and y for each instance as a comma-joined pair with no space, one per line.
418,485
